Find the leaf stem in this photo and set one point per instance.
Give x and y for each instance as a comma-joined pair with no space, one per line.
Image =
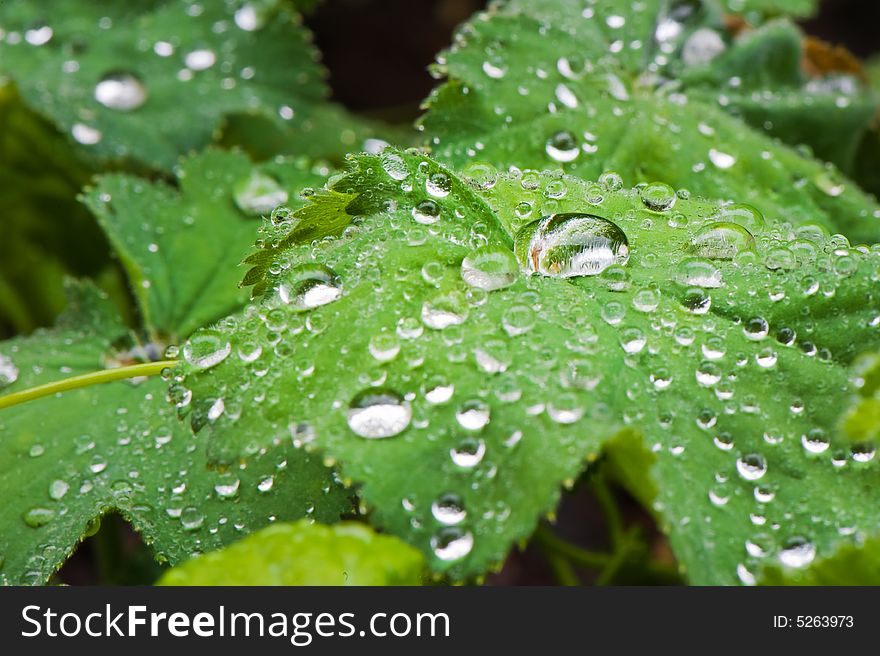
552,543
609,507
85,380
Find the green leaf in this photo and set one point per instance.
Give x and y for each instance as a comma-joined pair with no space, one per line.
548,84
761,78
849,565
305,554
180,247
68,459
490,400
152,80
797,8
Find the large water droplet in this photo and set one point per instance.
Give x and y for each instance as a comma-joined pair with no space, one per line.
122,91
259,194
489,268
308,286
378,413
569,245
207,348
721,241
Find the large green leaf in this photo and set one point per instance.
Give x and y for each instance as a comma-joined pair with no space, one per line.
305,554
151,80
549,84
180,246
726,350
67,460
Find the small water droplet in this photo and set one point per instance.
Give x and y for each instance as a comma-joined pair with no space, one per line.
489,268
751,466
721,241
259,194
206,349
473,415
452,543
468,454
200,60
121,91
449,510
562,147
797,552
445,310
658,197
36,517
378,413
8,371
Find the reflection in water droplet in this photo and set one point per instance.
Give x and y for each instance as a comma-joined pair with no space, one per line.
751,467
122,91
468,454
86,135
378,413
797,552
489,268
449,510
569,245
445,310
259,194
473,415
309,286
658,197
721,241
452,543
562,147
8,371
252,16
207,348
200,60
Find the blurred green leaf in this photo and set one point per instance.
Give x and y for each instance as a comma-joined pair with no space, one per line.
305,554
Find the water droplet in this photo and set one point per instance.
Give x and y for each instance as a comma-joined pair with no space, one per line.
489,268
86,135
207,348
259,194
562,147
39,35
445,310
378,413
395,166
438,390
751,467
493,71
36,517
696,272
721,241
797,552
426,212
815,441
745,215
309,286
658,197
252,16
452,543
468,454
384,347
58,488
569,245
721,160
122,91
8,371
200,60
438,185
473,415
756,328
227,490
449,510
191,518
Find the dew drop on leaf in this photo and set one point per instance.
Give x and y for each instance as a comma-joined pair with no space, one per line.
8,371
751,466
658,197
797,552
449,510
562,147
469,453
452,544
489,268
206,349
309,286
259,194
445,310
121,91
570,245
378,413
721,241
473,415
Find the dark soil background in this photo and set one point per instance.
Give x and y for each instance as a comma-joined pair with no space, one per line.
377,53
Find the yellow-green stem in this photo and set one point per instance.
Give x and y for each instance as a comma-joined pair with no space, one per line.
85,380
